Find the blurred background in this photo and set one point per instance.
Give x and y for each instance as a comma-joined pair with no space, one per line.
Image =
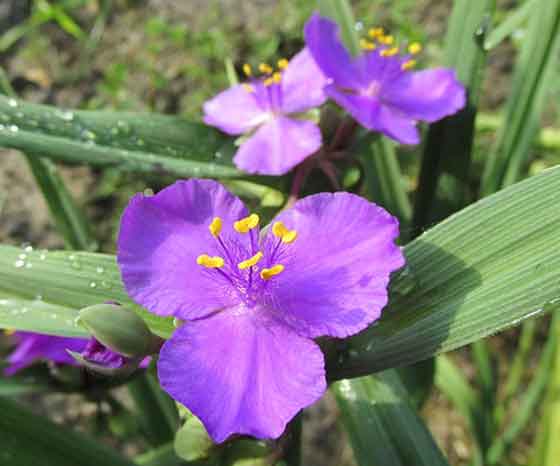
169,56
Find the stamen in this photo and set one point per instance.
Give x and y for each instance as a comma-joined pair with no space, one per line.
246,224
267,274
389,52
265,68
216,227
268,81
277,77
280,231
387,40
205,260
9,332
251,261
247,70
414,48
367,45
282,63
407,65
374,33
248,87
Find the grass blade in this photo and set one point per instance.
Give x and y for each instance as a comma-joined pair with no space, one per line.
510,24
383,427
527,97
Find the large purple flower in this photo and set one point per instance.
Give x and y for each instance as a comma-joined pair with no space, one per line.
269,112
378,87
245,361
32,347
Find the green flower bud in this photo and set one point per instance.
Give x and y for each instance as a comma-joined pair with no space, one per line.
119,329
192,443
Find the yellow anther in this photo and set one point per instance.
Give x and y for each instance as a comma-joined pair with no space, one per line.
247,70
246,224
268,81
216,226
389,52
407,65
280,231
367,45
251,261
265,68
9,332
267,274
248,87
374,33
210,262
387,40
414,48
282,64
277,77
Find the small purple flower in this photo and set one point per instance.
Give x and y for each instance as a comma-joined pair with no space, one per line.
32,347
377,88
245,361
268,112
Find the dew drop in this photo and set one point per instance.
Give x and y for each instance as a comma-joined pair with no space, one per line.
28,248
22,256
13,128
66,115
99,269
28,265
19,264
12,103
93,285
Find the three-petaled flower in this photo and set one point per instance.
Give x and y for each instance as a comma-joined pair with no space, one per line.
269,112
253,300
378,87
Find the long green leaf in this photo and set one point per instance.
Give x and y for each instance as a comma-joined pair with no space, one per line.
28,439
443,186
65,282
383,427
482,270
527,97
134,142
510,24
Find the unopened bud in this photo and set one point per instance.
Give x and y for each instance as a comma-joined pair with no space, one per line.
192,442
119,329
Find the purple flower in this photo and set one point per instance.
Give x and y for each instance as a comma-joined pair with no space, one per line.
245,361
268,111
32,347
377,88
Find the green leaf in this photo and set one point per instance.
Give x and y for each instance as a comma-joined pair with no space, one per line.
29,439
484,269
510,24
65,282
133,142
443,186
533,71
383,427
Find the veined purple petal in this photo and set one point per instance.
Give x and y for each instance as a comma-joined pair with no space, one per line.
426,95
322,37
242,372
234,111
160,239
336,272
278,146
302,84
32,347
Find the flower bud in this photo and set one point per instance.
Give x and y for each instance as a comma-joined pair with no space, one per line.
192,442
119,329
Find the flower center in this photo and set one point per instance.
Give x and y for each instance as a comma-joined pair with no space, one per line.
247,261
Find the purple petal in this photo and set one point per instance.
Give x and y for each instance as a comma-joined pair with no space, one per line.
98,353
278,146
32,347
426,95
242,372
337,270
159,240
322,37
302,84
371,114
234,111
